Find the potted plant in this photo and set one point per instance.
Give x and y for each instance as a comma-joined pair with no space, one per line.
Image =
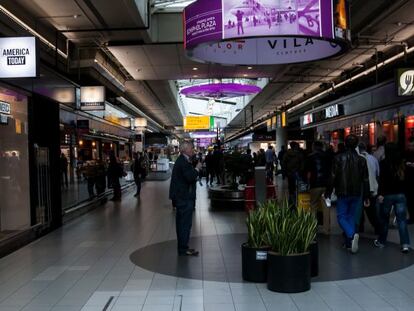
254,252
289,233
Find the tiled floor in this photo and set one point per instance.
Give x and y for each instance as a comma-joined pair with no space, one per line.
86,266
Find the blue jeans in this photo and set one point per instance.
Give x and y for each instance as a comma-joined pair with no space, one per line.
183,223
358,212
345,213
400,208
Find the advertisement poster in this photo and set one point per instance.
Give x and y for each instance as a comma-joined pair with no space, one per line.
248,18
203,22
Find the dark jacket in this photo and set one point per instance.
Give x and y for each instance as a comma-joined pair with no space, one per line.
317,169
183,180
138,168
391,180
209,162
293,162
115,171
349,175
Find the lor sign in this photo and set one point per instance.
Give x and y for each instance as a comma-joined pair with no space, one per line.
18,57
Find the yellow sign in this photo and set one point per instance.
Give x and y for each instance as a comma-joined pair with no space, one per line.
304,201
196,123
283,119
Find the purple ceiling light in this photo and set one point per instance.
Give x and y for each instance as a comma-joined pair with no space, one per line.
221,90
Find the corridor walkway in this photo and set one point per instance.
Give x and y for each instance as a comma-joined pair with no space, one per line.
89,264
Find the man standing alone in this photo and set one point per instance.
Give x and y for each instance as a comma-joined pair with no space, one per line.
183,194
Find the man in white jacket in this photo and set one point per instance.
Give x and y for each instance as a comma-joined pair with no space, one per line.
373,172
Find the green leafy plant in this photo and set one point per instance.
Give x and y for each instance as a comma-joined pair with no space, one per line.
256,228
289,231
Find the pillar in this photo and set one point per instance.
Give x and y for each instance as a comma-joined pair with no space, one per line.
281,138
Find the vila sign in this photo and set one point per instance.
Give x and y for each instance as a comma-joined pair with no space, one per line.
18,57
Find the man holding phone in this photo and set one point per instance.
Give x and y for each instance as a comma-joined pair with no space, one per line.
183,193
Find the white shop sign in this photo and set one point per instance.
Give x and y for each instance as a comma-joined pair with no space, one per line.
18,57
4,107
332,111
92,98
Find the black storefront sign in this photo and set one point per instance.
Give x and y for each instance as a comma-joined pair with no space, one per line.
327,113
264,137
4,112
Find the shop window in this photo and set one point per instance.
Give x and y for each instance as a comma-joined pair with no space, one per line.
14,164
409,129
390,131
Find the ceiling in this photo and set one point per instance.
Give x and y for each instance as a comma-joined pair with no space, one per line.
149,59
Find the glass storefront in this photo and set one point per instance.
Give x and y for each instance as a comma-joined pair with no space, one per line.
14,163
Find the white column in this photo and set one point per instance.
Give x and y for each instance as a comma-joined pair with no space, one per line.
281,138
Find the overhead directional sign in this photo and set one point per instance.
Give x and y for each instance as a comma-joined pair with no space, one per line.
198,122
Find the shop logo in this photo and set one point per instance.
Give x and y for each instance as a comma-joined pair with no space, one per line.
4,108
406,82
16,56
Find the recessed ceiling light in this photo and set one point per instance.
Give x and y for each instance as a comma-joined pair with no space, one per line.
195,68
245,75
76,16
95,60
250,68
195,76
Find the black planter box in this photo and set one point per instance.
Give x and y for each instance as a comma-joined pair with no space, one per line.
314,253
289,274
254,263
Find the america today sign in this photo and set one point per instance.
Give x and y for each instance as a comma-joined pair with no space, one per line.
18,57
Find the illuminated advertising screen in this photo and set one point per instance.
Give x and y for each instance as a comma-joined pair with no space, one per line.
243,18
265,31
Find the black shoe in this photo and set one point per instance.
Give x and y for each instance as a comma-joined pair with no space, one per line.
189,252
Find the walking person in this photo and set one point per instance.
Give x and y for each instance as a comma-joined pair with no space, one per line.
380,151
373,174
270,161
391,193
218,162
317,173
64,169
280,156
138,168
293,162
100,177
349,178
409,179
209,168
90,173
183,195
115,171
